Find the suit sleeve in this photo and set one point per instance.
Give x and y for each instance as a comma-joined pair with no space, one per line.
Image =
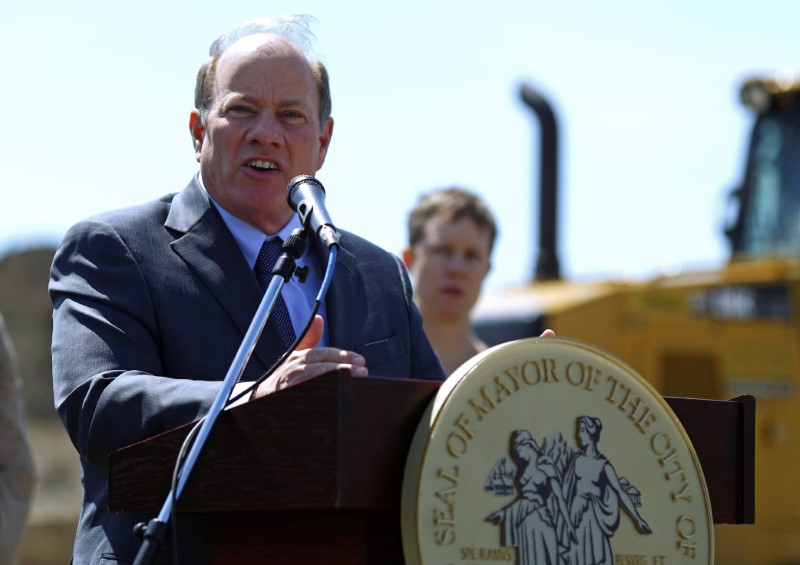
424,361
108,385
372,312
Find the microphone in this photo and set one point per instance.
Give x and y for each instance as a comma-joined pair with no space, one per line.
306,196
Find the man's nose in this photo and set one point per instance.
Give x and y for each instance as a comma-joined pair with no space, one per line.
457,262
265,129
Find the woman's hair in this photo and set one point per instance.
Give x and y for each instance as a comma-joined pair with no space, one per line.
593,426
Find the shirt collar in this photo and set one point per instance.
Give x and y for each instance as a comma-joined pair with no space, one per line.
251,239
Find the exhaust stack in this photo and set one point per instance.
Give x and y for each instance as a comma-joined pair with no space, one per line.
547,267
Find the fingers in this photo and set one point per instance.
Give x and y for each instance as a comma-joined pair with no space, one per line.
306,364
548,333
332,356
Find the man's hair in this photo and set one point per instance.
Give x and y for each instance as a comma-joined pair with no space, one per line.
296,29
456,203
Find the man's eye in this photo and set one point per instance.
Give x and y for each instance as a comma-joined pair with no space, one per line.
294,116
239,110
473,256
442,253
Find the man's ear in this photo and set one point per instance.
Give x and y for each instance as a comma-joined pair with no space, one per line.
408,257
324,142
198,131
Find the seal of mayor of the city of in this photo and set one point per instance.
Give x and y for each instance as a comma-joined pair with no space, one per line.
553,451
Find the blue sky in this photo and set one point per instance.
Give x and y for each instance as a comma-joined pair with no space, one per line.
97,95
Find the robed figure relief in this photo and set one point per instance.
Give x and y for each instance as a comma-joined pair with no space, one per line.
567,503
532,521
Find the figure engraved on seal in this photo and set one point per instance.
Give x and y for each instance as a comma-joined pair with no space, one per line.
567,504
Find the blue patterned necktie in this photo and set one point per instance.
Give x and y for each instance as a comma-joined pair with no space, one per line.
270,251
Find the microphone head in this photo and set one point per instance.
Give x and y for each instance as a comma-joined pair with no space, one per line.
292,196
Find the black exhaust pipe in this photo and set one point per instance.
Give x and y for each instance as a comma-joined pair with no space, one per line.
547,267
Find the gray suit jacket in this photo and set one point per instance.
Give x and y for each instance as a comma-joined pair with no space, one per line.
150,306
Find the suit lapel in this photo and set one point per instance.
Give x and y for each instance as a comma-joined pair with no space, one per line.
208,247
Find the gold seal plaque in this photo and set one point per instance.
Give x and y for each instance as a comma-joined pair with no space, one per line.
553,451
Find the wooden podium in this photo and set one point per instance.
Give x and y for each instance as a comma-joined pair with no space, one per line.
313,474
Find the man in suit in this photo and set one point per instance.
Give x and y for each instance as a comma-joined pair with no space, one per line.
151,303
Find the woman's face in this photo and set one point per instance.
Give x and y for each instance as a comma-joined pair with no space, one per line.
584,437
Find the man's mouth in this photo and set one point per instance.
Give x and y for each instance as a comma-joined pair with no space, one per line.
260,165
452,291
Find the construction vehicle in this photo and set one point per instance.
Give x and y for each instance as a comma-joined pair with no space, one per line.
714,334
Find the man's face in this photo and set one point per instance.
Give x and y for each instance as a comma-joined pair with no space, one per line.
262,130
449,265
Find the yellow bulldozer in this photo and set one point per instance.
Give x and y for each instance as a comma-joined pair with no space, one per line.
712,334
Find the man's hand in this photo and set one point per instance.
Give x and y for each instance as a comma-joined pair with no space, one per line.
309,361
548,333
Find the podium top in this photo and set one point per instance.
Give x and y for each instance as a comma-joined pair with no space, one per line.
338,442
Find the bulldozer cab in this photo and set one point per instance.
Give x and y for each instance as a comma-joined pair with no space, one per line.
768,219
